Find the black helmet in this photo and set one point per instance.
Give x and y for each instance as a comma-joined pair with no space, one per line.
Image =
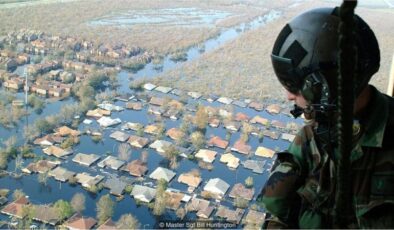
306,52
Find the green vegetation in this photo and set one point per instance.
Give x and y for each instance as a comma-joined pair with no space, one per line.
128,189
240,202
172,154
161,198
69,142
63,208
201,119
78,202
18,193
97,138
197,139
249,182
127,221
35,102
43,178
179,56
4,192
133,66
124,152
105,208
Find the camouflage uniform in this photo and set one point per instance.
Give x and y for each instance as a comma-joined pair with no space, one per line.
300,192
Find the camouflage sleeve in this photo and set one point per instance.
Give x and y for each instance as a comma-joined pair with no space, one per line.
279,196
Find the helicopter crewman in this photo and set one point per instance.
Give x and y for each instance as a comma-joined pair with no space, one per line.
301,189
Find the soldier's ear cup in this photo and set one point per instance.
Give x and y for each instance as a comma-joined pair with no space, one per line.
315,89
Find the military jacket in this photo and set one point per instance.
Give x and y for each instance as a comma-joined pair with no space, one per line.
300,192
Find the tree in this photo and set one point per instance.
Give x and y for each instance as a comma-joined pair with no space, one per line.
63,209
140,130
10,143
161,198
42,125
105,208
249,182
3,159
241,202
124,152
43,178
171,153
18,193
197,139
78,202
28,212
127,221
201,119
144,156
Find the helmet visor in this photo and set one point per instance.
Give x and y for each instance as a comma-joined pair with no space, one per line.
288,76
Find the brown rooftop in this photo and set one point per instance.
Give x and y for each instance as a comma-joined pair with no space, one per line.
218,142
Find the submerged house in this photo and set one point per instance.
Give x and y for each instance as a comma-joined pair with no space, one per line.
87,180
143,193
115,186
175,199
230,160
111,162
160,145
217,186
190,179
57,151
138,142
233,216
119,136
162,173
273,109
48,140
175,134
254,219
98,113
225,100
77,221
163,89
46,214
16,208
66,131
86,159
41,166
136,168
134,105
149,86
107,121
203,207
217,142
61,174
288,137
254,165
264,152
239,190
260,120
241,147
256,106
206,155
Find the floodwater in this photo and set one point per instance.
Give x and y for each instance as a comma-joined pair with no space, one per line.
188,17
193,53
54,190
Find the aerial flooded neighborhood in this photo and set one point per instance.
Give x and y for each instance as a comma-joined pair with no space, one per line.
142,115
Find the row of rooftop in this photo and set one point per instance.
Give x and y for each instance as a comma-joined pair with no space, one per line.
46,213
